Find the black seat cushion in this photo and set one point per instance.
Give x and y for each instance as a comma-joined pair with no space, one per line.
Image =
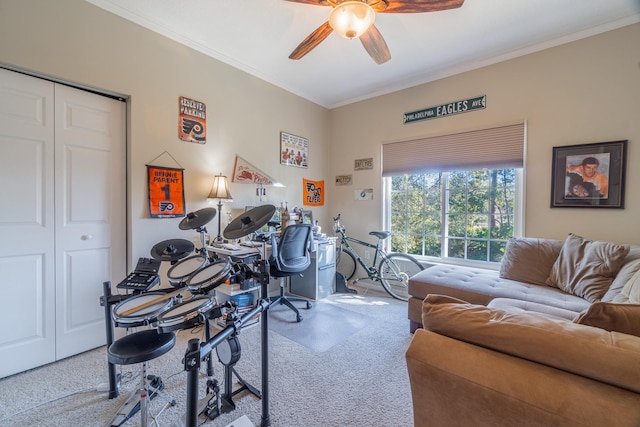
140,347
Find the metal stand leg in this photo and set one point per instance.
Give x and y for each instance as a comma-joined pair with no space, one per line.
107,300
144,398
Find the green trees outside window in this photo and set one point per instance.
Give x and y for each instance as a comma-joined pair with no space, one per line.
465,215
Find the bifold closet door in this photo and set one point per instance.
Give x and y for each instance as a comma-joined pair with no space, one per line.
27,273
62,217
89,213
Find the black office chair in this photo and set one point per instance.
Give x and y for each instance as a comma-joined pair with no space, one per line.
290,254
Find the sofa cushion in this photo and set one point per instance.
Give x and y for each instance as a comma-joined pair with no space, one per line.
562,344
585,267
529,260
623,318
480,286
514,305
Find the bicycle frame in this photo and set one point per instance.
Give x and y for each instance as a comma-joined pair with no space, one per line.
372,271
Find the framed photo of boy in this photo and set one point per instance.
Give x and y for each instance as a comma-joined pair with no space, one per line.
589,175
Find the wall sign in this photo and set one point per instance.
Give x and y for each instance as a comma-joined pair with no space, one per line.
312,192
344,179
448,109
363,194
363,164
192,122
166,192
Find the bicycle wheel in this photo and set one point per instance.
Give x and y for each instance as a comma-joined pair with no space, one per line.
345,263
395,271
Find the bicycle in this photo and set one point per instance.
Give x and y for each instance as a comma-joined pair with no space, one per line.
393,271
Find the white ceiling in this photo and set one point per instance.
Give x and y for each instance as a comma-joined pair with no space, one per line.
257,36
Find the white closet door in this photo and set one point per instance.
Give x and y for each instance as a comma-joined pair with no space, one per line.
27,274
90,213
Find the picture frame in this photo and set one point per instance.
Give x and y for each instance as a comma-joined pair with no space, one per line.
307,217
589,175
294,150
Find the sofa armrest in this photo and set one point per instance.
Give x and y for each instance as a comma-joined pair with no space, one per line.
454,383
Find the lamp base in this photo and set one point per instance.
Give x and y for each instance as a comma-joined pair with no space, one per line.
219,237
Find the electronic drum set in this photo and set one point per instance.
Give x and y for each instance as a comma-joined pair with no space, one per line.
188,303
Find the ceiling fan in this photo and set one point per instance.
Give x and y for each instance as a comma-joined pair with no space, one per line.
354,19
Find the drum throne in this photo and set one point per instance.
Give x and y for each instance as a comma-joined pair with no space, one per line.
140,347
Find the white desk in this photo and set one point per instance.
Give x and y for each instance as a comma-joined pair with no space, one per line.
241,251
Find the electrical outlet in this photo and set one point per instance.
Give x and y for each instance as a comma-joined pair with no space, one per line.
367,255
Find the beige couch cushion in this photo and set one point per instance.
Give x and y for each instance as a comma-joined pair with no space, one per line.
623,318
514,305
610,357
529,260
586,268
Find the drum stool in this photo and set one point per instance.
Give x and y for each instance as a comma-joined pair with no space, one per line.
139,347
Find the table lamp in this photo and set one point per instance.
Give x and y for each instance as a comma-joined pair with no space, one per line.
219,190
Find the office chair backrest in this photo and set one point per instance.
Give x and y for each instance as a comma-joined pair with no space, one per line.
290,252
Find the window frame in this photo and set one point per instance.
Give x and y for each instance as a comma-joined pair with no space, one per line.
518,225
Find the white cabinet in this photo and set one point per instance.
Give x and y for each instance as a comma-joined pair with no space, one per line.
319,280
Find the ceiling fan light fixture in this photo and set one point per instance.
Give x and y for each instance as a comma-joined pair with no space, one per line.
351,19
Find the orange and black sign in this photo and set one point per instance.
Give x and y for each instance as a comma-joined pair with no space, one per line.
192,122
313,192
166,192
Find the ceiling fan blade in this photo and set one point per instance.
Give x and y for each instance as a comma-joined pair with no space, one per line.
312,40
375,45
314,2
418,6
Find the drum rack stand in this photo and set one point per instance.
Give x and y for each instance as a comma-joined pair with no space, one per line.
197,351
215,404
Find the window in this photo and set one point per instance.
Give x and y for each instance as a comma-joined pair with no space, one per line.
455,215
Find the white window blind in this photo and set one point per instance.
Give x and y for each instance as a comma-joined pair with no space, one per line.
494,148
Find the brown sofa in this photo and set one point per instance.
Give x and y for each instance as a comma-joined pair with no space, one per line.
523,278
519,356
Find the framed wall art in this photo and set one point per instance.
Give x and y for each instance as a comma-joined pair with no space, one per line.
589,175
294,150
307,217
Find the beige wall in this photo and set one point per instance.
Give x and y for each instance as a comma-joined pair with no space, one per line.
586,91
583,92
77,42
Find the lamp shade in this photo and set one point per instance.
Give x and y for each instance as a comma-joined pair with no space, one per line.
351,19
220,188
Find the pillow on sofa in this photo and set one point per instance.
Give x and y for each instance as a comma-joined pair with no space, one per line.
630,265
533,336
529,260
623,318
585,267
631,290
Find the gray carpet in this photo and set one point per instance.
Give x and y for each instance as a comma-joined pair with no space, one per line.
359,381
322,327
